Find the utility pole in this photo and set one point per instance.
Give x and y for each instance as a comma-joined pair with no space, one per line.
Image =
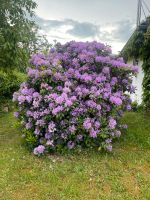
139,7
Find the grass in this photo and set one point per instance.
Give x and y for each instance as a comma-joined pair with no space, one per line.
122,175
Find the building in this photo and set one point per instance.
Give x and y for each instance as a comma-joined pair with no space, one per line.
131,55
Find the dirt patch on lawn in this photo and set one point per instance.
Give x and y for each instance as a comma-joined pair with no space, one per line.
130,184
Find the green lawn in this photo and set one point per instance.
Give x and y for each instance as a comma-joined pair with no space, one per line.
121,175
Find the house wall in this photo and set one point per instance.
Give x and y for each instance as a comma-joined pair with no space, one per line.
137,82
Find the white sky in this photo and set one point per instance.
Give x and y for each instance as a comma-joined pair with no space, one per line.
108,21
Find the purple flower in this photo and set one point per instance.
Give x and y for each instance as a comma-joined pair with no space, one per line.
86,77
48,135
128,107
64,95
108,141
63,135
79,137
58,76
40,122
97,124
39,150
72,128
29,99
91,104
113,81
66,90
21,99
87,123
36,103
112,123
70,145
73,98
109,147
51,127
59,88
37,131
36,115
93,133
106,95
93,89
102,59
51,105
16,114
32,72
36,95
53,96
117,133
98,107
99,79
125,81
68,103
59,100
124,126
24,91
57,110
115,100
29,113
28,125
68,84
132,89
106,70
46,112
50,142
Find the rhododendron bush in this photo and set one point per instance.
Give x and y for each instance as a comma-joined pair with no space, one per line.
74,97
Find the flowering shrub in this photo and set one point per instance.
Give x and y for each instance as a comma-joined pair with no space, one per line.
74,97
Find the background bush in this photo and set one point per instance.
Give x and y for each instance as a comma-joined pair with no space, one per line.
74,97
9,83
136,107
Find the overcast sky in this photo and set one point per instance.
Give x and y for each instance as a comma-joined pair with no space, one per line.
108,21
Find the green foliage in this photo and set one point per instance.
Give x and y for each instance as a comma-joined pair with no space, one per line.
9,82
31,139
19,36
136,107
146,68
139,46
133,46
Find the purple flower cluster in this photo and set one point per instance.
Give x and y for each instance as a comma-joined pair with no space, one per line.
74,96
39,150
112,123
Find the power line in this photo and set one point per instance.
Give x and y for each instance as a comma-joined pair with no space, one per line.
146,6
141,8
143,11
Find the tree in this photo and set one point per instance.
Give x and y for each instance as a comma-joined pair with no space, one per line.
19,36
146,68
